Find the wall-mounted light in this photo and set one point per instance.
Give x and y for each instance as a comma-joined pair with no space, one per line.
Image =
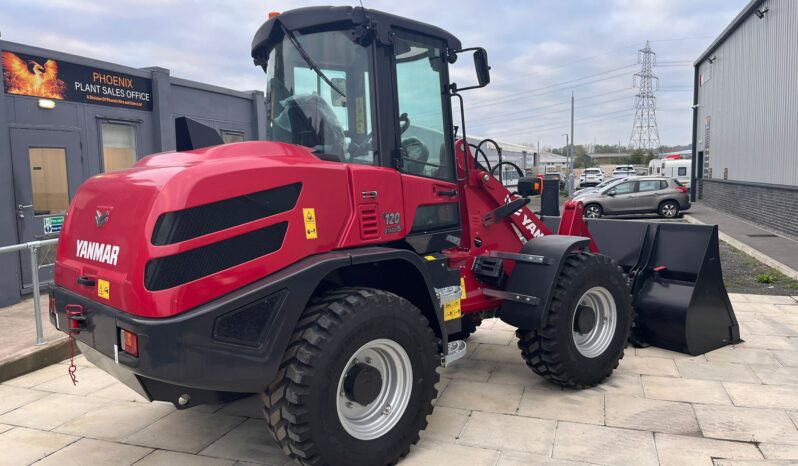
761,13
712,59
46,103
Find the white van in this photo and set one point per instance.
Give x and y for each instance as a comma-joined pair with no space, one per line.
673,168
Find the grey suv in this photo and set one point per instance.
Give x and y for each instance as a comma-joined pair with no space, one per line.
638,195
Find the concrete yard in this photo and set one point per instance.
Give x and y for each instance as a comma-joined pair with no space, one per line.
733,407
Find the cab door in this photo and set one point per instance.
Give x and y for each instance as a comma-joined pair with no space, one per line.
426,152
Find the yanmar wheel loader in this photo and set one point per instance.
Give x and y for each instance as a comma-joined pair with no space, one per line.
334,267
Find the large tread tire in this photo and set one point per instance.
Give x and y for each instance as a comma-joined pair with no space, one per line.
468,325
551,351
300,404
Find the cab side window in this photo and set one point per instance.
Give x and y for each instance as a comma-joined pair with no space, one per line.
424,151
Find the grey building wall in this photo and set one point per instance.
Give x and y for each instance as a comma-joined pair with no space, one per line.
747,115
224,109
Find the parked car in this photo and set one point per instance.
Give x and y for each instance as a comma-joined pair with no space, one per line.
624,170
585,191
591,177
638,195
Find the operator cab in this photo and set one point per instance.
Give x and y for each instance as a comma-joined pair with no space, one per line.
360,86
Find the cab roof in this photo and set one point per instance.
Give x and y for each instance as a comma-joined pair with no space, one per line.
328,18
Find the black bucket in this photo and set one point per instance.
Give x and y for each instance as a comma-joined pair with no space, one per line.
680,300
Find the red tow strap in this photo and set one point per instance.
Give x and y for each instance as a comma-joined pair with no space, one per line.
73,313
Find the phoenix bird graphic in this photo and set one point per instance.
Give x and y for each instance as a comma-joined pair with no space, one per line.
32,78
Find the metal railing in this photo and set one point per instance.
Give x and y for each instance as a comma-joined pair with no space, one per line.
33,248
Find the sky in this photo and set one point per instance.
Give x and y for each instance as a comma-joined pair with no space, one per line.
539,52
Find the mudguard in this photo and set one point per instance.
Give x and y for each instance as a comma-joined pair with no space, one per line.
537,279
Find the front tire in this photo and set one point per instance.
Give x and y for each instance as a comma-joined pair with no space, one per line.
587,326
356,382
593,211
468,325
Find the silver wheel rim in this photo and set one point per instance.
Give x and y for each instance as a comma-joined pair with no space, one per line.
597,339
381,415
592,211
669,210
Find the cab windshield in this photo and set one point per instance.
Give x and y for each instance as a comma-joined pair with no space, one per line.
319,96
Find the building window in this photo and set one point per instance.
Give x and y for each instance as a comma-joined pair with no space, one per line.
119,146
48,175
232,136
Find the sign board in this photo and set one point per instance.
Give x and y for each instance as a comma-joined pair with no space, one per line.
53,225
51,79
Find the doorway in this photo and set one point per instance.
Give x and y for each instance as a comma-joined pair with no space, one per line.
47,169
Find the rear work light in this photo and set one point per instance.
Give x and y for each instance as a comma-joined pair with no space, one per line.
130,342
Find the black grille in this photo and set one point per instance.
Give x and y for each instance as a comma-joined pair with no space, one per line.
246,325
182,225
171,271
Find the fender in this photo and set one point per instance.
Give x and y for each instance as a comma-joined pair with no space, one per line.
538,280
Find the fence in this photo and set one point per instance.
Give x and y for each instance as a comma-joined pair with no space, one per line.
33,248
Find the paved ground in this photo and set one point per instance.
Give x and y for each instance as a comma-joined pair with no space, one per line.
737,405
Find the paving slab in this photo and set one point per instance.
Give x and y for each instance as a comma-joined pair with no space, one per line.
724,462
89,380
492,337
604,445
779,452
721,371
518,374
445,424
118,392
39,376
687,390
114,421
481,396
249,441
648,366
13,397
777,375
678,450
468,369
652,415
769,342
50,411
497,353
514,458
186,431
577,406
25,446
95,452
251,406
763,396
787,358
437,453
621,383
654,352
503,432
173,458
746,424
742,355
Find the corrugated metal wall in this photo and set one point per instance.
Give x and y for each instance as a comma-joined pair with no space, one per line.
750,93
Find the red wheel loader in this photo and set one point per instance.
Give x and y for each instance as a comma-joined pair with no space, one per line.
334,267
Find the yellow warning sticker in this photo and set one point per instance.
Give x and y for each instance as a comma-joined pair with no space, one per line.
310,223
429,258
103,289
451,310
462,288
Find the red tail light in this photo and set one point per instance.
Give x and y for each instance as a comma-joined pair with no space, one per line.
130,342
681,189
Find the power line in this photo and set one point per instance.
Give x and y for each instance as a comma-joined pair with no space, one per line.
559,124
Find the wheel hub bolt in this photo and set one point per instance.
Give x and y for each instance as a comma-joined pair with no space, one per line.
369,360
387,410
349,404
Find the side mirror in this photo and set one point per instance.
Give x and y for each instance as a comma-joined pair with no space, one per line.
481,66
611,192
529,186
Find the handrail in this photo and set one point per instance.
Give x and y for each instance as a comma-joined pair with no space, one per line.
33,248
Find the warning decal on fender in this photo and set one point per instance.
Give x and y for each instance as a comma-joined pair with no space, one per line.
451,310
310,223
103,289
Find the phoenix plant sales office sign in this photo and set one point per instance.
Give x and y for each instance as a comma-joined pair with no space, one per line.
51,79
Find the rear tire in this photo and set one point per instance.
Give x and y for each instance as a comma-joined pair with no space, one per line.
468,325
593,211
668,209
568,350
324,406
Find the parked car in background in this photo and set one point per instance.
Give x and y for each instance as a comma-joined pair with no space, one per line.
585,191
664,196
591,177
673,168
624,170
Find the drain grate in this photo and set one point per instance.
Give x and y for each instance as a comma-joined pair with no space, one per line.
762,235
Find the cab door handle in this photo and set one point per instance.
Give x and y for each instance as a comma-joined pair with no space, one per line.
447,193
86,280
